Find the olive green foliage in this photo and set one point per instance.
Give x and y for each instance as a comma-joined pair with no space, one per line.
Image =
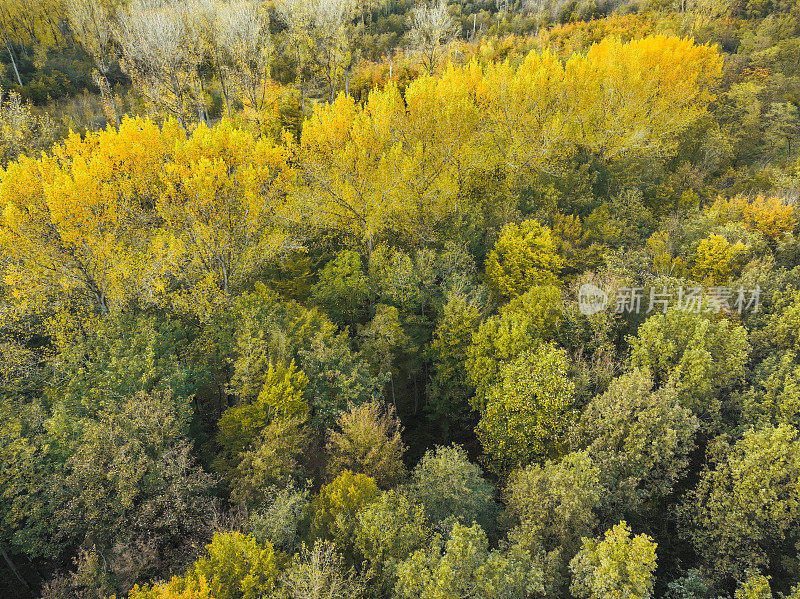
132,470
451,489
21,131
383,341
282,517
337,378
262,330
280,397
699,355
128,487
343,288
103,358
618,565
746,507
690,586
553,505
784,323
528,410
464,567
549,509
449,389
524,256
774,397
367,440
639,438
276,458
388,531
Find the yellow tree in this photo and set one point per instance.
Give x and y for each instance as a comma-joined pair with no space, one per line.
524,256
617,100
393,165
635,97
77,223
774,217
144,213
222,193
716,257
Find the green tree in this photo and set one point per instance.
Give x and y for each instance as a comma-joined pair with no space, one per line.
464,568
746,507
639,438
275,458
100,359
700,356
131,489
524,256
260,329
451,489
384,342
335,508
553,505
449,388
690,586
282,517
343,288
521,325
406,281
618,565
774,397
337,378
550,508
783,324
528,410
368,442
388,531
280,397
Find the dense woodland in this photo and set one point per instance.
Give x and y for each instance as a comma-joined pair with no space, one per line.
291,299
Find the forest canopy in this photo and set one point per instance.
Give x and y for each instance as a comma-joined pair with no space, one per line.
399,299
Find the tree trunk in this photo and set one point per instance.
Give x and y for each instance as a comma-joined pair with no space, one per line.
13,568
13,63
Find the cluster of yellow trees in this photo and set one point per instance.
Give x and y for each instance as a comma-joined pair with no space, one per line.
159,213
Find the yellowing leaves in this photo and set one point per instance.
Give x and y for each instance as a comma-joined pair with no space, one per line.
771,216
398,164
143,211
156,214
716,257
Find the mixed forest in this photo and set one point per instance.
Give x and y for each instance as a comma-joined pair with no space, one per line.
363,299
